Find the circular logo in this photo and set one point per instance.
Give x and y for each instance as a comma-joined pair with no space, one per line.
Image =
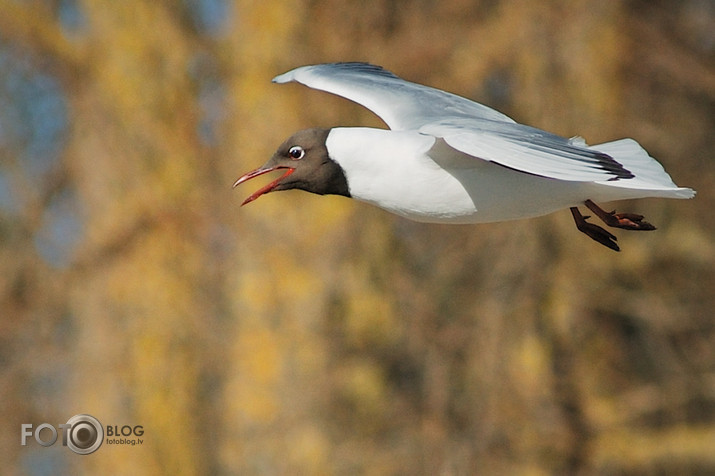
86,434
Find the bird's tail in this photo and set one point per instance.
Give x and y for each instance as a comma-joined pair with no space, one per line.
649,174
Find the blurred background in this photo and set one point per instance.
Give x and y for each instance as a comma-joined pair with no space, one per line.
317,335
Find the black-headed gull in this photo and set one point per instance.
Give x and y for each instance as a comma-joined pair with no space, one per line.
446,159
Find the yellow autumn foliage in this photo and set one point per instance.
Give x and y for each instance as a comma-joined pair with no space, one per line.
316,335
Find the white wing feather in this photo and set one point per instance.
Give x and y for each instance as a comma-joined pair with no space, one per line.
529,150
401,104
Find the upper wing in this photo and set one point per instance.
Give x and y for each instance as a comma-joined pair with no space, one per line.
464,125
401,104
528,149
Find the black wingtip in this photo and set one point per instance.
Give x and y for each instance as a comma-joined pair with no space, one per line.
611,165
362,67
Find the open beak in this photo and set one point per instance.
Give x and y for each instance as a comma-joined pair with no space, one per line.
267,188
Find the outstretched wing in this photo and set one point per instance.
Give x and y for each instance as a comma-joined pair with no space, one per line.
401,104
528,149
464,125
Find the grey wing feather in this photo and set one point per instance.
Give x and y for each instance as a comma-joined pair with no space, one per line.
401,104
529,150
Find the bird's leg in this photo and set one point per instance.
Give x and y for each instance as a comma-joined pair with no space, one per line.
627,221
595,232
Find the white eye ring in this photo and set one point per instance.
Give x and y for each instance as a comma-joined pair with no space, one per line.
296,152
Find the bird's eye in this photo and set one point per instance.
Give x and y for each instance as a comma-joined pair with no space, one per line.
296,152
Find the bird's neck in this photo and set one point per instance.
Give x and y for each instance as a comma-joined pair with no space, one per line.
375,160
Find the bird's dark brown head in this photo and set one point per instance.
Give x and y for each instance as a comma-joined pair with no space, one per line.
307,164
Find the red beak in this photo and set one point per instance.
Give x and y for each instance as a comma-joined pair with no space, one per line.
267,188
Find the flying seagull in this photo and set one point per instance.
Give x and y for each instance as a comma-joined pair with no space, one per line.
446,159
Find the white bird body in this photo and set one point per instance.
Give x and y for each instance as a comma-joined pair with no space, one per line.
447,159
421,178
